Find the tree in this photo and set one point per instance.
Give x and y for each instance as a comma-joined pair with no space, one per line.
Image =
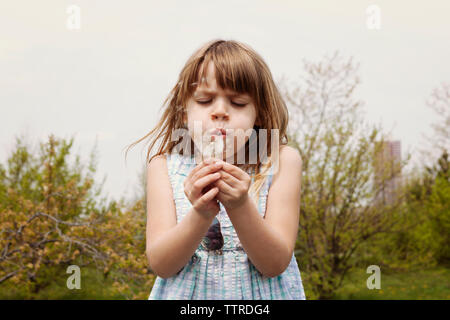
43,203
52,217
439,142
438,205
339,206
423,239
438,202
427,241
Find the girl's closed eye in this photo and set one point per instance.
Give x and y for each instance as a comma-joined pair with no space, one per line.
235,103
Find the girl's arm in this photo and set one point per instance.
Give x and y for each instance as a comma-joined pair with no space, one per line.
269,242
169,245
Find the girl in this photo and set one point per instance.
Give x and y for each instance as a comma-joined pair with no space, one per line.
229,228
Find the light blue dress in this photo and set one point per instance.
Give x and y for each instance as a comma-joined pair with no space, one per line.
229,275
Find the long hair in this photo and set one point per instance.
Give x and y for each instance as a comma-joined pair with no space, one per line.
238,68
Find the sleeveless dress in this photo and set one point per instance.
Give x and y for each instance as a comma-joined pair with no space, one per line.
229,275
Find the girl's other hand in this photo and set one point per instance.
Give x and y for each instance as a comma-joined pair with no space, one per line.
198,188
233,186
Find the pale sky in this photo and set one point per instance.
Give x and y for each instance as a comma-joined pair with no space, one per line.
110,77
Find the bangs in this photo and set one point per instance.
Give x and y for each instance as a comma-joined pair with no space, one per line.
235,70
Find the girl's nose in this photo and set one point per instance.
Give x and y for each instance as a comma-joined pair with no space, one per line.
219,116
219,111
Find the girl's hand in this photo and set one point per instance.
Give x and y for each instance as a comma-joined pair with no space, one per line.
199,189
233,186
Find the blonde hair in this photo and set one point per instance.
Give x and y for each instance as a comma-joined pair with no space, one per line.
238,68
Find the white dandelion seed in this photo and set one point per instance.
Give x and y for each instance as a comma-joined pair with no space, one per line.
213,149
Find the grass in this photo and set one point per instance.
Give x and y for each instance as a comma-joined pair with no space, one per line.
430,284
93,287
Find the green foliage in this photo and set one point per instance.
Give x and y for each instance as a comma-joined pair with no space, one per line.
438,205
94,286
421,239
340,209
52,217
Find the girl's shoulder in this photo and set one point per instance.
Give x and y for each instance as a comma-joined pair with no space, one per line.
289,151
157,162
289,155
165,162
288,160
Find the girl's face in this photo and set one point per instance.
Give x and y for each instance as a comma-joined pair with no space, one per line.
213,108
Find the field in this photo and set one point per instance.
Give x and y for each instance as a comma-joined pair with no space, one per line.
424,284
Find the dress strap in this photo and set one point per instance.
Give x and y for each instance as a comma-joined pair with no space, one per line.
270,174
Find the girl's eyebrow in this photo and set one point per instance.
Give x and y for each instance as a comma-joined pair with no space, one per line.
200,91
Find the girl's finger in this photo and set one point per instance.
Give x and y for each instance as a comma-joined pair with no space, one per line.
206,170
207,197
190,179
203,182
236,172
229,179
194,171
224,187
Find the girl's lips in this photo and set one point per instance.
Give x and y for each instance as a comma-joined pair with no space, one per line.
217,136
218,132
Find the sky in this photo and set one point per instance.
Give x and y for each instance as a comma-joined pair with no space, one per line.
106,80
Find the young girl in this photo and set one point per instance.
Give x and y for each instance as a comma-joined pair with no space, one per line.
223,228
